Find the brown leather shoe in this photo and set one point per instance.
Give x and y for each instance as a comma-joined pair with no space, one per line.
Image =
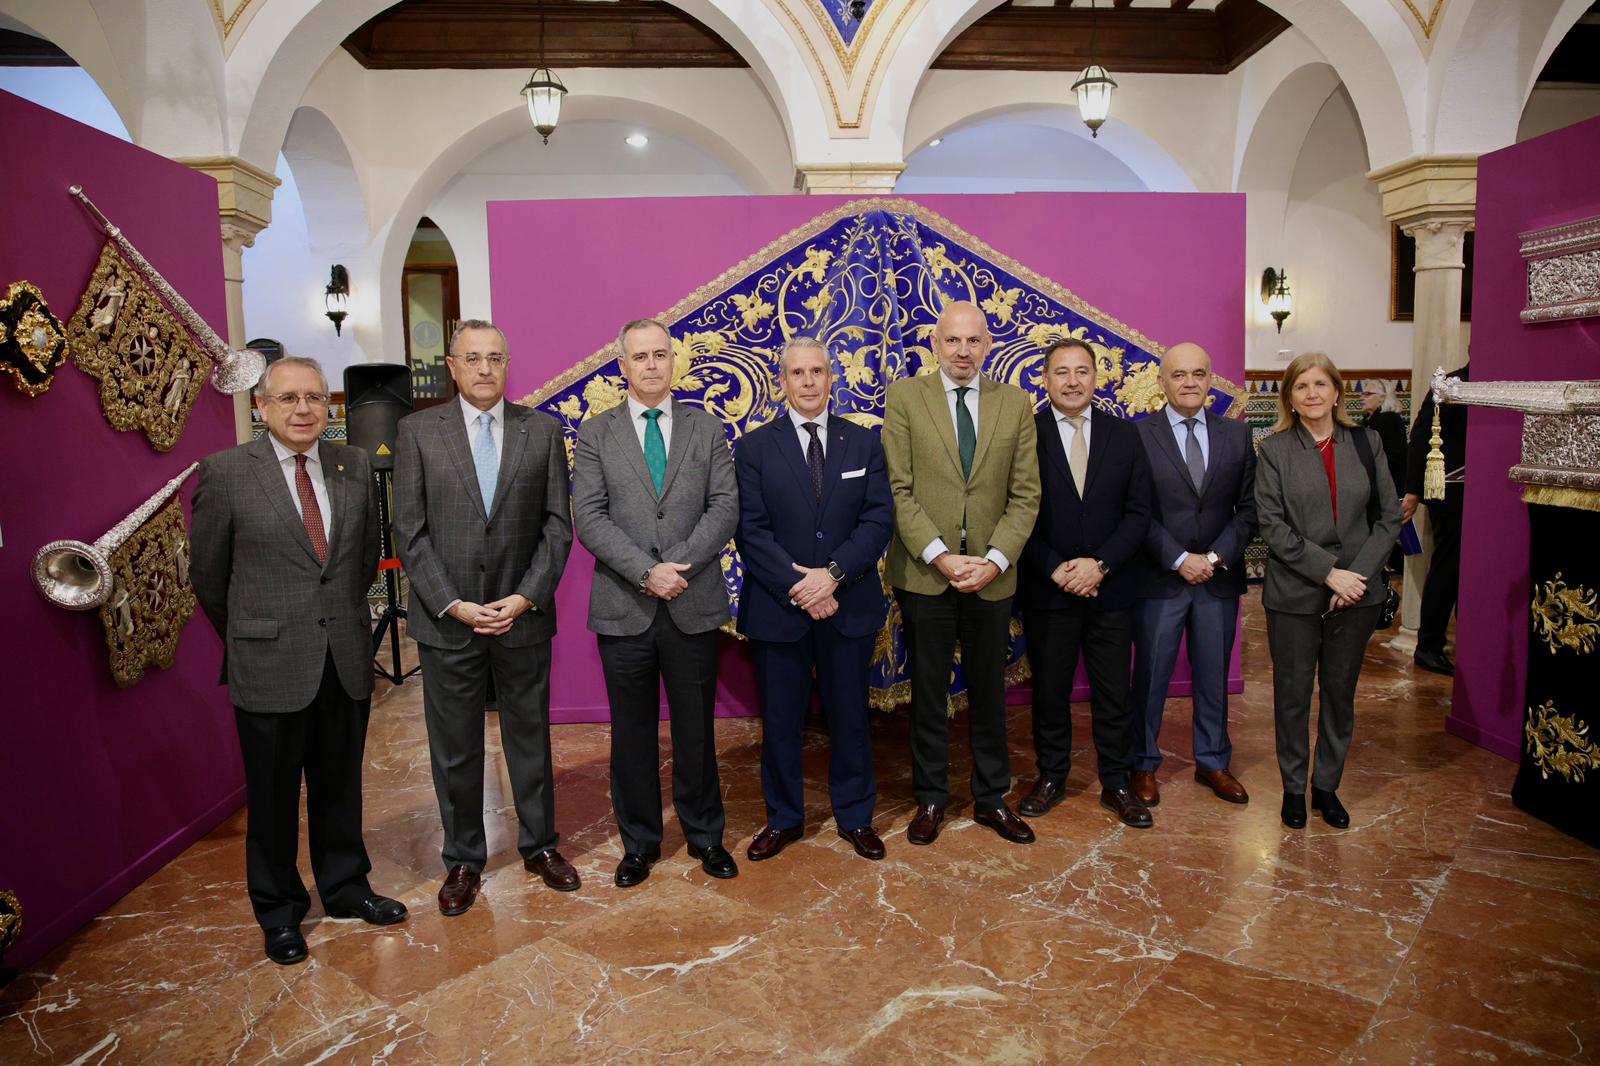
1126,806
459,890
1045,794
1142,783
1005,823
865,841
1224,784
924,827
553,870
770,841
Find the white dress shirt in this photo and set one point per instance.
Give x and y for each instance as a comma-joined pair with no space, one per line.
804,434
314,471
497,430
938,548
1180,433
636,412
1064,428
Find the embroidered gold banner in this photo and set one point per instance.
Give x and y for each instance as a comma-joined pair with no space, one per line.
151,598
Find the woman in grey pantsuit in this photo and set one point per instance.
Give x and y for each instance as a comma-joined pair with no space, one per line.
1323,590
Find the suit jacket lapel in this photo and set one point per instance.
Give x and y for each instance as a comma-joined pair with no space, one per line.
626,441
988,414
1168,444
1055,451
453,428
514,441
1214,448
1097,453
832,461
933,396
789,447
682,434
269,475
340,499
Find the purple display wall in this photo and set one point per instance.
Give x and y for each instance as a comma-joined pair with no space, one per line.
1542,182
564,275
99,786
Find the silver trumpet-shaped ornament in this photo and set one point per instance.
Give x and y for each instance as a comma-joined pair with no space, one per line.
237,369
78,576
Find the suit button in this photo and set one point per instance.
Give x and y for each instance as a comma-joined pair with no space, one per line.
324,580
660,515
488,529
322,621
656,552
819,534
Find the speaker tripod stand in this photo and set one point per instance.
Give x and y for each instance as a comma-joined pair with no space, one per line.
389,619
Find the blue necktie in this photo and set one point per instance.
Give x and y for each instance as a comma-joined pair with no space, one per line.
484,458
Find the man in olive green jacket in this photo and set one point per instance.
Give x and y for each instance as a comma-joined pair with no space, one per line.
964,472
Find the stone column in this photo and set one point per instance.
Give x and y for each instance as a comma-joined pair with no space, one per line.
1433,199
244,204
847,179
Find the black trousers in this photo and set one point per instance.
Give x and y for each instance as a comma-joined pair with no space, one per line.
1104,639
636,669
1444,573
324,741
933,625
454,687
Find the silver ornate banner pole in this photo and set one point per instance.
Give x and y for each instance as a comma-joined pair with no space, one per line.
78,576
237,369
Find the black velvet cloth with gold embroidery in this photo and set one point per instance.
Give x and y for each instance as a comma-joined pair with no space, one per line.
1559,778
32,342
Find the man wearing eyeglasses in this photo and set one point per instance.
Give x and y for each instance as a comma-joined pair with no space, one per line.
483,529
285,543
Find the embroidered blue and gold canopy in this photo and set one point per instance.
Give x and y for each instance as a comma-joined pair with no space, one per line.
869,279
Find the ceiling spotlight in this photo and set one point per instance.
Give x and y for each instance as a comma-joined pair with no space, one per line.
636,140
936,142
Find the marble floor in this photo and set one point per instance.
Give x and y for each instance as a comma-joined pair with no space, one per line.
1443,926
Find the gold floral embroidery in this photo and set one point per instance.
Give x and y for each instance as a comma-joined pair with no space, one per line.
32,342
1558,743
151,598
1566,617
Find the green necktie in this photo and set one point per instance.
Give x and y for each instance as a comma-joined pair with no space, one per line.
966,436
655,449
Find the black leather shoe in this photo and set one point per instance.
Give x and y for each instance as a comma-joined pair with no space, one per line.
1126,806
633,869
1435,662
1333,811
1006,824
924,827
1294,810
285,945
865,841
715,860
375,910
459,890
1044,795
553,870
770,841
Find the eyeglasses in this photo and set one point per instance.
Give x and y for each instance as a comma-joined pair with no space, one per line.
290,400
475,361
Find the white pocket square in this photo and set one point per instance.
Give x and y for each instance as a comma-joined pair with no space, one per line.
848,474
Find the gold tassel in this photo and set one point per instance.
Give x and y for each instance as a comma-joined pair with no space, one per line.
1555,496
1433,473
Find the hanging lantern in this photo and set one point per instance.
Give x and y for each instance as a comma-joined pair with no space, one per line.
1094,88
544,91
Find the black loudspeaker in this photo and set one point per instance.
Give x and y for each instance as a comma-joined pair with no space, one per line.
376,397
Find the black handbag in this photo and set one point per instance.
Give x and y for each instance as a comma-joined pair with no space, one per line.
1391,601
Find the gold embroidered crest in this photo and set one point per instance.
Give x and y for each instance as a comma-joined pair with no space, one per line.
32,343
151,598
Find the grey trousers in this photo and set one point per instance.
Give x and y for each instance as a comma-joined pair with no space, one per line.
1307,649
454,685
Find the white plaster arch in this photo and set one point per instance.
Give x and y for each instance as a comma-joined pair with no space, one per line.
1492,53
1150,162
930,33
73,27
1271,146
331,193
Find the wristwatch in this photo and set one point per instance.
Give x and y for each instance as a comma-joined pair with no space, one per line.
1215,560
644,579
1104,567
836,572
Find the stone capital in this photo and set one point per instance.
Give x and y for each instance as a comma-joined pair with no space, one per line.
1433,188
1440,243
244,197
847,179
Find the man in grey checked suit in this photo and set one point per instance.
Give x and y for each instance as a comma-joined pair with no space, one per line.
482,525
285,544
655,501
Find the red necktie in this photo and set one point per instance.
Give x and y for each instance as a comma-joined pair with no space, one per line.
309,511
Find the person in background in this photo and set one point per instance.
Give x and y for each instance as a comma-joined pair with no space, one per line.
1444,520
1382,409
1329,515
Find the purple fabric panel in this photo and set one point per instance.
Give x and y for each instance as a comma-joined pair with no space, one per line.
565,275
1543,182
99,786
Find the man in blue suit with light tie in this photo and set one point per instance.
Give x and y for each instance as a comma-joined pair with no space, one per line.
815,514
1203,478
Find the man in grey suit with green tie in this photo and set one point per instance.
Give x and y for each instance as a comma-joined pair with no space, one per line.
655,500
482,525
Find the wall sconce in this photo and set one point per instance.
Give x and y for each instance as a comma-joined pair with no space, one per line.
336,297
1276,296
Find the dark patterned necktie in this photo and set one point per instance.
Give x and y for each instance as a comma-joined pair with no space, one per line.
814,459
309,511
966,435
1192,457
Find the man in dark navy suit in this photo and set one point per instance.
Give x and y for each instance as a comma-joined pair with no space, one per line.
814,517
1204,514
1077,588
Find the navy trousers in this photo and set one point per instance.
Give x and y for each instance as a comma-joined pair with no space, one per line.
783,677
1159,627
